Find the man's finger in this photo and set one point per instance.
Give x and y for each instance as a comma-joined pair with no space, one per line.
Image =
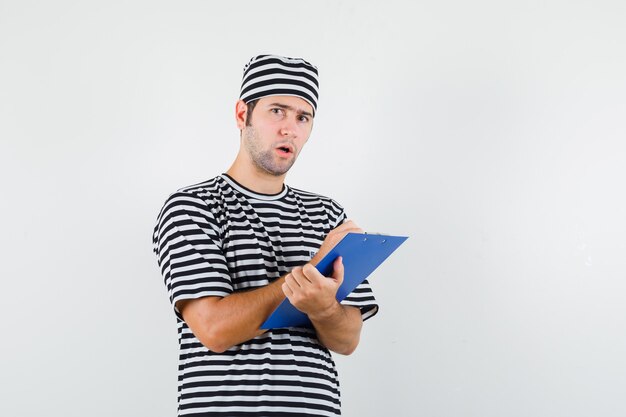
311,273
299,276
291,280
287,289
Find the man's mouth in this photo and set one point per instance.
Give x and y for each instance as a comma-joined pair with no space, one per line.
285,149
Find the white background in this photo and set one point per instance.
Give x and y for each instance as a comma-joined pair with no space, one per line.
491,132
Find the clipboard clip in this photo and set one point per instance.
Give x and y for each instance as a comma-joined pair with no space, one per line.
376,234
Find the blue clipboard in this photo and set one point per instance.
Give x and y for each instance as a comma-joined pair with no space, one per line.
362,254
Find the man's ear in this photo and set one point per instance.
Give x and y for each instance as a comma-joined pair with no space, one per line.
241,113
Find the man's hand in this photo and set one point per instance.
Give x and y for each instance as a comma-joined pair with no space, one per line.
307,289
311,292
338,327
334,237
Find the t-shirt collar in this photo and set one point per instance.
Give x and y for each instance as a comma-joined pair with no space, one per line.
253,194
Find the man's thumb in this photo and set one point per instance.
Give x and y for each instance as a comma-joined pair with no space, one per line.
338,270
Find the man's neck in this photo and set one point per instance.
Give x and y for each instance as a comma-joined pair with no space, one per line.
256,180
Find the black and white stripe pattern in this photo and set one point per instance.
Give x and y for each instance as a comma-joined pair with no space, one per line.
216,238
273,75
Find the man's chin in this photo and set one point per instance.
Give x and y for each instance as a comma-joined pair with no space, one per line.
279,173
274,167
276,171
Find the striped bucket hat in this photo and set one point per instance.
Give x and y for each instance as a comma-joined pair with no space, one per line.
274,75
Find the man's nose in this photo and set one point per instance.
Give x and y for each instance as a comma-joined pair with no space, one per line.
288,127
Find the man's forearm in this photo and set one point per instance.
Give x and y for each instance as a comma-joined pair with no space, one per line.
220,323
339,329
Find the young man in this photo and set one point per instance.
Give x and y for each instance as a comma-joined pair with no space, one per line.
232,248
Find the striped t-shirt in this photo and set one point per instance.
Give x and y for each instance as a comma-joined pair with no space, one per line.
218,237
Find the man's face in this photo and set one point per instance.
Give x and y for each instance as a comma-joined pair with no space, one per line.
276,131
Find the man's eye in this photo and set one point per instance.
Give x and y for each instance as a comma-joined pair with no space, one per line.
276,111
303,119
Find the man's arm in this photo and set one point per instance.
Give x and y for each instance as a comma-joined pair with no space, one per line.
340,329
220,323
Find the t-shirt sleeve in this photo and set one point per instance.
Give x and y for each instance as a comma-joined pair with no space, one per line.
362,296
188,246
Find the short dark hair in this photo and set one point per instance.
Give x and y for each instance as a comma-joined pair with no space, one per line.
251,105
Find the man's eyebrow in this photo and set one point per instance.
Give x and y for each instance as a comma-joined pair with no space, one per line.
291,108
